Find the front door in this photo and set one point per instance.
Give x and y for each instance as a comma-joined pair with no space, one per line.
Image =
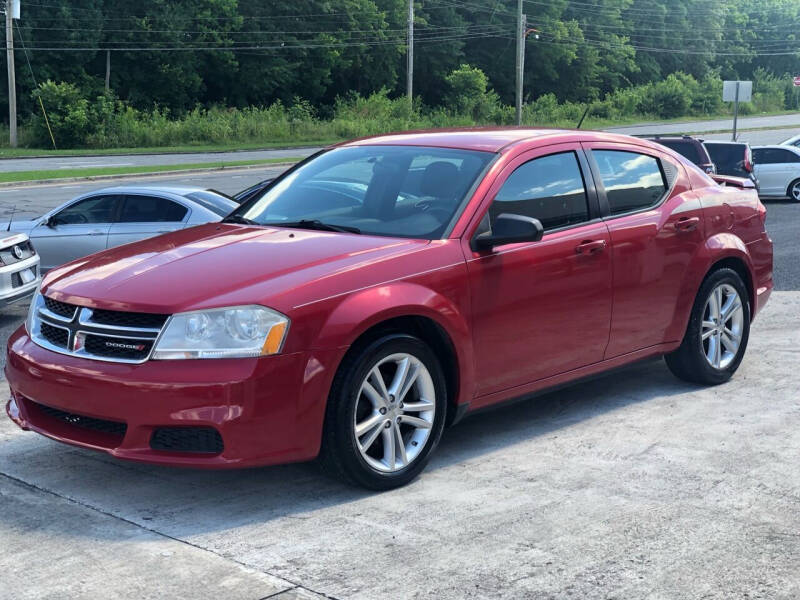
541,308
75,231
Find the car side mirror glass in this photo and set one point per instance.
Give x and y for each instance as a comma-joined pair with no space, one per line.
509,229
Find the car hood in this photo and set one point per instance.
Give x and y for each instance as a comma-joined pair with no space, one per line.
24,226
223,265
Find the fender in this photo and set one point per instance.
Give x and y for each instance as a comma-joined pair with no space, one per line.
404,299
716,248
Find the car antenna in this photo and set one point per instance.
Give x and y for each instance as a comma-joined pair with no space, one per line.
11,218
586,112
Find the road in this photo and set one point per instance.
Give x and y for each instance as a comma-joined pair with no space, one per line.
139,160
633,486
78,162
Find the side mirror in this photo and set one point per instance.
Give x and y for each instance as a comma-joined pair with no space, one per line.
50,222
509,229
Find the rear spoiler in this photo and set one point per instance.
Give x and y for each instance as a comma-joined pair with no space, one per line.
742,183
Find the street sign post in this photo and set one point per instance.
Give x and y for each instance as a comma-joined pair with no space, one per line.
736,91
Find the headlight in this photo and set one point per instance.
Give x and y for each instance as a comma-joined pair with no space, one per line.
36,301
235,332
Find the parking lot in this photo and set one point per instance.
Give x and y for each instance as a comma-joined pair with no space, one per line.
636,485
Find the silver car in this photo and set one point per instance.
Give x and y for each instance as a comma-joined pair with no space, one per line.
19,267
778,171
119,215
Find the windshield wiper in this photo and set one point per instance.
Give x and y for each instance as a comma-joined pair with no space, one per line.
315,224
238,219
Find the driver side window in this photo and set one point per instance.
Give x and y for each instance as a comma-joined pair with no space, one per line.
98,209
549,188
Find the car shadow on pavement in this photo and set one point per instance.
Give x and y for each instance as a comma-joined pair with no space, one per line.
187,502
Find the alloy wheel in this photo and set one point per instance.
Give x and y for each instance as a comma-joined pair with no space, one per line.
394,412
722,326
795,191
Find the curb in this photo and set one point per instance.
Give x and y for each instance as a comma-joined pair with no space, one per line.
35,182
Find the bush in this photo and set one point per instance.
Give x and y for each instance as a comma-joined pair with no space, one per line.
468,93
68,113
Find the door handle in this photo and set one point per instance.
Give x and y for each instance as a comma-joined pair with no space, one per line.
96,232
590,247
687,223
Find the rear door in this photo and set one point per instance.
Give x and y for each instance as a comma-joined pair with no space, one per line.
541,308
775,168
655,223
143,216
75,231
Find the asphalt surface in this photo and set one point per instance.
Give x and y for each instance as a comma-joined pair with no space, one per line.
778,121
140,160
636,485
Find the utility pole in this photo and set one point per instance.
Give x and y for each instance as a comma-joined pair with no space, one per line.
410,54
108,70
520,58
12,80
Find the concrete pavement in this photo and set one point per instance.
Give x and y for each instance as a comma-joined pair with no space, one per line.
139,160
636,485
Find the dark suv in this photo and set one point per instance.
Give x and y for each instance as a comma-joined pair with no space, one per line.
732,158
690,148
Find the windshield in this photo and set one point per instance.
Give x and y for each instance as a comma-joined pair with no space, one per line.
399,191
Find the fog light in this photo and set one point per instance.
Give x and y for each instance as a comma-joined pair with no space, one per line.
13,409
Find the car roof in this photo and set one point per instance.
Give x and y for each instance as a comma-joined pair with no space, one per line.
489,139
179,190
726,142
794,149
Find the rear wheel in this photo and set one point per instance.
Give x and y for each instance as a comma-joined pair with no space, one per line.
385,413
794,190
718,331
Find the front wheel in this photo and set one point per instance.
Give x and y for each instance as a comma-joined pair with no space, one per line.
385,414
718,331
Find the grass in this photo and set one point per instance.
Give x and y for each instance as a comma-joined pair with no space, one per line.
21,176
183,149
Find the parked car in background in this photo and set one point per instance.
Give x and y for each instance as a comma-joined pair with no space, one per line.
252,191
19,268
119,215
732,158
389,286
792,141
778,171
690,148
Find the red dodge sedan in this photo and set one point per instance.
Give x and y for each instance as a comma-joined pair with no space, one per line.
386,287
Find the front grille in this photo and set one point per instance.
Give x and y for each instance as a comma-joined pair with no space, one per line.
55,335
62,309
187,439
114,336
110,427
118,348
16,278
7,256
114,318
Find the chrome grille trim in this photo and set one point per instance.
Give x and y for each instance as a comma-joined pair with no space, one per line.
80,326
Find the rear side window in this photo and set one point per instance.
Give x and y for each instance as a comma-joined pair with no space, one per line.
632,181
549,188
686,149
151,209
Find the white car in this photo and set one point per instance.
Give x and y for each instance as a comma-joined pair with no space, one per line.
792,141
19,268
778,171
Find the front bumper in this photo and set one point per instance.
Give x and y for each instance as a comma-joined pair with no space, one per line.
12,288
267,410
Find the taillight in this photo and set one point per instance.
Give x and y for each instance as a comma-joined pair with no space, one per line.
762,213
748,160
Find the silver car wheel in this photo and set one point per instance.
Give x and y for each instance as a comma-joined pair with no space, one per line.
394,414
722,326
795,191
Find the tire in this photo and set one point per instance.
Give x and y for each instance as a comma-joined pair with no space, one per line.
375,459
793,191
696,360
